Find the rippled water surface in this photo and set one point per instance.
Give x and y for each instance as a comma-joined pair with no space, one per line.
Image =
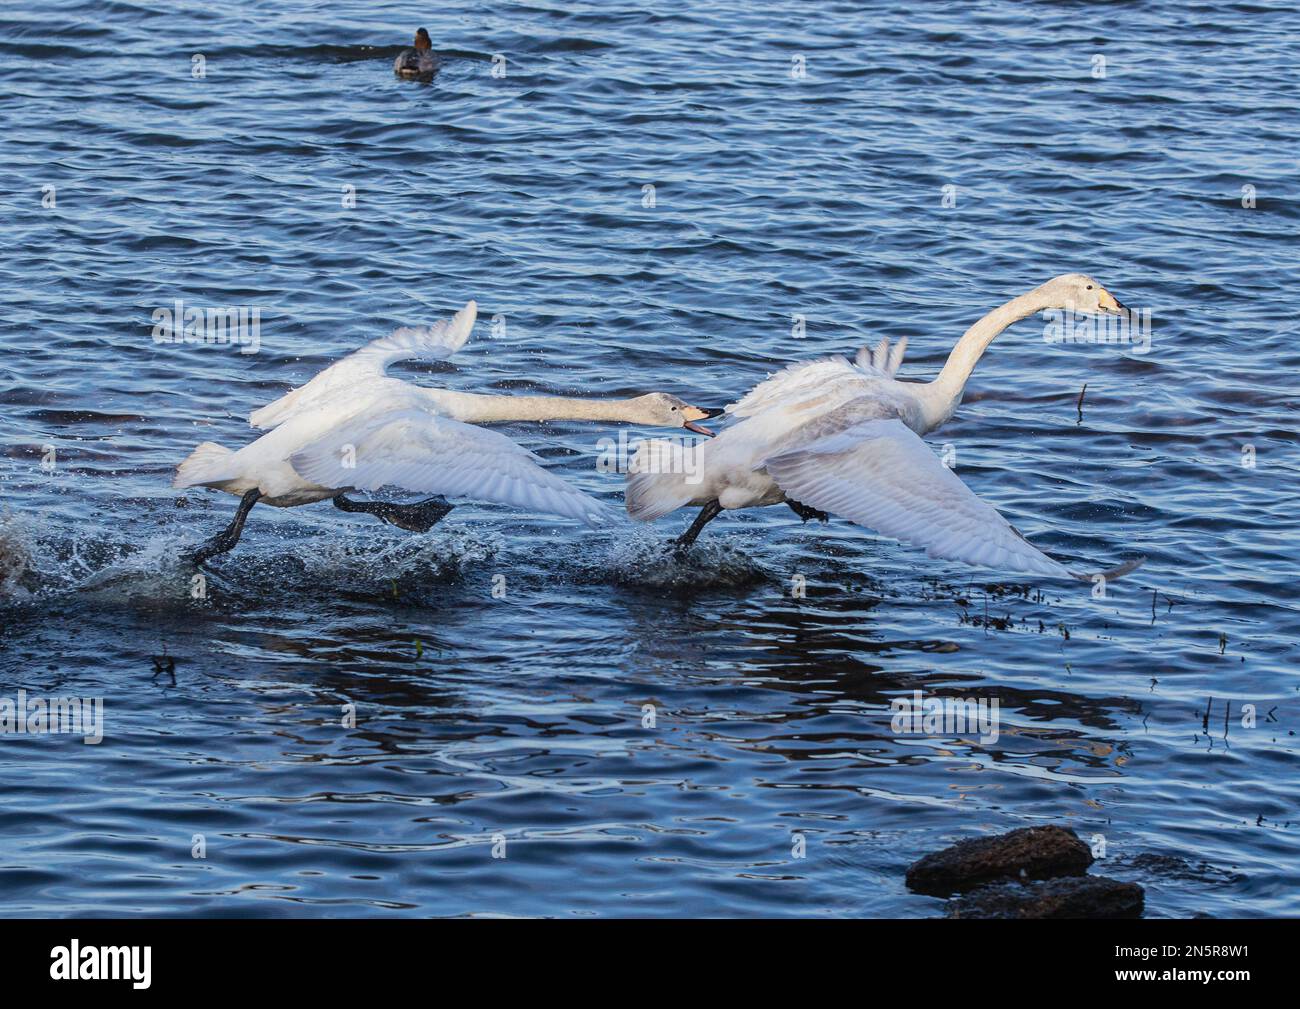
520,715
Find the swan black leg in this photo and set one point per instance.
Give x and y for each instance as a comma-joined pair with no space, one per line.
707,514
806,513
229,536
417,518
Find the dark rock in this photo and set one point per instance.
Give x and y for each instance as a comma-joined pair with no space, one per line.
1027,853
1075,897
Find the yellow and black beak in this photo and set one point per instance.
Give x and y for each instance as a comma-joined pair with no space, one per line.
1109,303
694,413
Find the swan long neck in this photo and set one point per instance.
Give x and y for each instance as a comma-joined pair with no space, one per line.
475,408
945,392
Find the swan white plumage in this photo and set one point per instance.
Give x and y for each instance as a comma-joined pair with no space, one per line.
844,438
355,427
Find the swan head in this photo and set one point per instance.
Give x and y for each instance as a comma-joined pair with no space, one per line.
422,39
1081,293
660,409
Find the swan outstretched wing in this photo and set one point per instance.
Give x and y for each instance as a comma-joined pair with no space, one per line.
423,452
880,474
433,343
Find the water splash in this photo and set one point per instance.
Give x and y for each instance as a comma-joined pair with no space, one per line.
15,558
646,559
43,558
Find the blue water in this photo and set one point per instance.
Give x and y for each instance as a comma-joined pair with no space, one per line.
521,718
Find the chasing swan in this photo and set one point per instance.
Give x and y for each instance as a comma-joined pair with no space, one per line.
830,436
354,427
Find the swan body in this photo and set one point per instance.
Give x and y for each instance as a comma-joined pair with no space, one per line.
844,437
355,427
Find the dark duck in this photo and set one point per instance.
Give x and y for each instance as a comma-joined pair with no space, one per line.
417,63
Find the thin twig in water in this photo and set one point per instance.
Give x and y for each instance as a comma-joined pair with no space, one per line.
1079,406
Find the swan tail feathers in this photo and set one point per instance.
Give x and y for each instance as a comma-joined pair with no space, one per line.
208,463
664,476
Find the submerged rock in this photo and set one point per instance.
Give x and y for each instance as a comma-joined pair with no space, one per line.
1181,869
1027,853
1072,897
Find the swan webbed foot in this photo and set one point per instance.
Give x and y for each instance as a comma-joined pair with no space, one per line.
708,513
806,513
226,540
419,517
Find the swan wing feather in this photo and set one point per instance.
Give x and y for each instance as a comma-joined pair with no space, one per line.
798,381
826,378
432,343
881,358
424,452
880,474
894,360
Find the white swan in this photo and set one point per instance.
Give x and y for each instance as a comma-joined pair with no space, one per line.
354,427
830,436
